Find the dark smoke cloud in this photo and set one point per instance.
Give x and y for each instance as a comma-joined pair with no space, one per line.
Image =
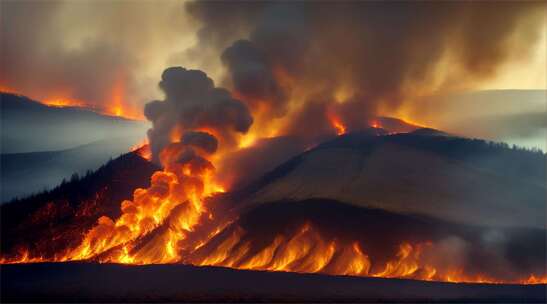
203,140
252,76
382,54
192,102
88,50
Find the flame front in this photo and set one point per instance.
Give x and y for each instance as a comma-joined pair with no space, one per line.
170,222
336,124
308,252
174,201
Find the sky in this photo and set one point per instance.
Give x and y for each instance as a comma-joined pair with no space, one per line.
109,55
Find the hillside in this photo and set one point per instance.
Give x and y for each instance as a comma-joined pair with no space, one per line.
450,178
29,126
477,204
56,219
26,173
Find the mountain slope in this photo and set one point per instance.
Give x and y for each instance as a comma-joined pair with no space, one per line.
454,179
27,173
57,219
29,126
314,230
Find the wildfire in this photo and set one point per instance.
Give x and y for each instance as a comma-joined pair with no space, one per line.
117,105
118,93
142,149
336,123
6,89
307,252
23,257
375,124
63,102
174,200
170,222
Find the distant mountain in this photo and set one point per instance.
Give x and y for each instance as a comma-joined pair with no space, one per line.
514,116
27,173
29,126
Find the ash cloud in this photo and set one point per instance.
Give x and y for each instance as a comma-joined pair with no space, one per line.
92,52
382,54
202,140
252,76
193,104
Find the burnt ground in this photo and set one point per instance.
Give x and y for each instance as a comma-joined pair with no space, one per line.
81,282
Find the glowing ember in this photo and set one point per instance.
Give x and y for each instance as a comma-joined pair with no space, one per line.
375,124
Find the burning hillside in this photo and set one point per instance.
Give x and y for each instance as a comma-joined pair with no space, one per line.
305,160
179,219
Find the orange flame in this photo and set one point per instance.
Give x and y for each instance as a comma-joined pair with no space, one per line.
375,124
117,105
307,252
336,123
63,102
118,92
23,257
164,224
142,149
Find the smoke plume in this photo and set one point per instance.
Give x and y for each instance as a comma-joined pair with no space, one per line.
102,54
194,112
358,59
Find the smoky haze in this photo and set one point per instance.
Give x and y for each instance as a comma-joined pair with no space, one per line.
358,59
102,54
193,103
289,62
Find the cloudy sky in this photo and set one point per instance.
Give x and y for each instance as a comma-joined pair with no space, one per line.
110,54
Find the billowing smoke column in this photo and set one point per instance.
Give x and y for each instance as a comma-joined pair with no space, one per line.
193,103
188,127
358,59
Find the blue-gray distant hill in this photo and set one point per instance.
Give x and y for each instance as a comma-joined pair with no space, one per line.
42,145
29,126
26,173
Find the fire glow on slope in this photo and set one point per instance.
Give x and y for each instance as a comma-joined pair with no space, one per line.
116,105
174,221
165,223
174,200
336,123
304,252
307,251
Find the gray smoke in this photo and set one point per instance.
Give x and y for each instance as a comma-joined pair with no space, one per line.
202,140
381,54
193,104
